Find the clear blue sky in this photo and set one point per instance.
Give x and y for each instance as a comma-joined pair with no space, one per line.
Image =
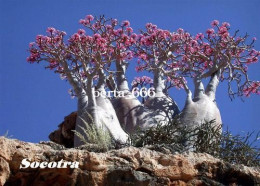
33,101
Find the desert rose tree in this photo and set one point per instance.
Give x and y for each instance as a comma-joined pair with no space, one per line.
219,56
85,60
153,49
98,57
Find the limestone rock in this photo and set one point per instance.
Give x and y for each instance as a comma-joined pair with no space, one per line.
127,166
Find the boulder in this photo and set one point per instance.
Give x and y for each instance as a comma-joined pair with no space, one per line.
64,134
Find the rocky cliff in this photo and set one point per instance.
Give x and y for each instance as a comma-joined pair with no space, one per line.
127,166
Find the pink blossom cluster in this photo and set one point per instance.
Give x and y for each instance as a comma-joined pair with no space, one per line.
252,88
217,48
176,54
108,42
142,81
177,82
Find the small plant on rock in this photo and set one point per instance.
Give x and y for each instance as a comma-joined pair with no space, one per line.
93,137
205,138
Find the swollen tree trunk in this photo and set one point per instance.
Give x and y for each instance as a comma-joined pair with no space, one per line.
203,106
132,114
163,107
101,111
107,114
127,107
87,112
84,100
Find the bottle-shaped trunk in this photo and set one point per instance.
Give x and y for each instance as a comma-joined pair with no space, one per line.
108,117
86,114
203,106
164,108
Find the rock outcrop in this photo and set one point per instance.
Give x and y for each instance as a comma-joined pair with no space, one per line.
64,135
127,166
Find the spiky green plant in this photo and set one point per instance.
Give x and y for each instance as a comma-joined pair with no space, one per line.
205,138
94,135
240,149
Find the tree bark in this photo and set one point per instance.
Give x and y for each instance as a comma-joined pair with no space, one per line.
87,111
107,113
164,108
126,107
203,106
132,114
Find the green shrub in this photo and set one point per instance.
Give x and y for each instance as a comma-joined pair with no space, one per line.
240,149
94,138
207,138
172,135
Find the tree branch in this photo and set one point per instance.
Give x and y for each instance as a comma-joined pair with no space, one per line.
212,85
199,87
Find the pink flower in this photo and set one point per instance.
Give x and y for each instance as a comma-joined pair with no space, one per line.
134,36
140,68
209,51
148,25
143,56
118,32
108,27
137,79
210,31
81,32
53,64
75,37
252,60
226,24
125,23
51,30
90,17
57,39
39,39
33,57
148,80
223,31
254,38
88,38
175,36
214,23
199,36
129,29
180,30
82,21
63,33
154,27
187,35
253,87
96,36
129,55
238,39
194,43
114,22
31,44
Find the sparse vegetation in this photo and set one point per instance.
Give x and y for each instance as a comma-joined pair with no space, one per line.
94,137
240,149
206,138
6,135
